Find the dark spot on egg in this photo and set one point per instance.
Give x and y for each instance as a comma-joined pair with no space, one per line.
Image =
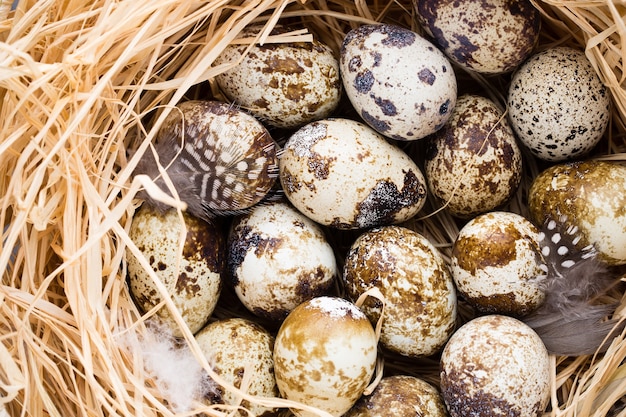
320,166
445,107
463,398
274,64
397,37
354,64
364,81
427,76
377,124
478,253
386,106
385,200
186,284
463,53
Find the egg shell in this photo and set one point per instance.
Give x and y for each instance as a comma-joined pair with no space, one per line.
237,348
558,106
473,164
278,258
325,355
592,196
400,395
494,366
399,82
341,173
489,37
495,263
420,299
192,277
232,160
285,84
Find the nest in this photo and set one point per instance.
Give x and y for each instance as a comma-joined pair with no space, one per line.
78,81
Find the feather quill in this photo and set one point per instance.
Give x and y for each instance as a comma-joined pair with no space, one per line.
573,320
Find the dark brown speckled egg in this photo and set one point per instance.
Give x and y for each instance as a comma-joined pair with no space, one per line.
277,259
399,82
495,263
400,395
420,299
495,366
187,256
238,350
489,36
473,164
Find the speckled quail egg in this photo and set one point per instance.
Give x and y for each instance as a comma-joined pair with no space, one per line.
238,349
490,37
285,84
495,365
496,262
592,196
399,82
325,355
187,256
343,174
420,299
277,259
473,164
558,106
400,395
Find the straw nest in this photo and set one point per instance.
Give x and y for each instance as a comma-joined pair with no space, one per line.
76,82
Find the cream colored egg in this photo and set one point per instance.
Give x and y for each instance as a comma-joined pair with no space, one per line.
399,82
557,104
238,349
277,259
473,164
285,84
496,261
495,366
187,256
592,196
341,173
324,355
420,299
491,37
400,395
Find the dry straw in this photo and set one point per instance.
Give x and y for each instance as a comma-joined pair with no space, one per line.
78,82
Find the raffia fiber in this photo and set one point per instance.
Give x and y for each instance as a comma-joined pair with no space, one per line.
78,80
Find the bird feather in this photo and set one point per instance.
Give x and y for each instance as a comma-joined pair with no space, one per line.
575,318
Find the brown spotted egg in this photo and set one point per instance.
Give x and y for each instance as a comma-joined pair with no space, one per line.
187,256
238,349
325,355
557,105
420,299
277,259
400,83
473,164
496,260
343,174
400,395
495,366
592,196
489,36
286,84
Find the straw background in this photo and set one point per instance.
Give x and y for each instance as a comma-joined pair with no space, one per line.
80,83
